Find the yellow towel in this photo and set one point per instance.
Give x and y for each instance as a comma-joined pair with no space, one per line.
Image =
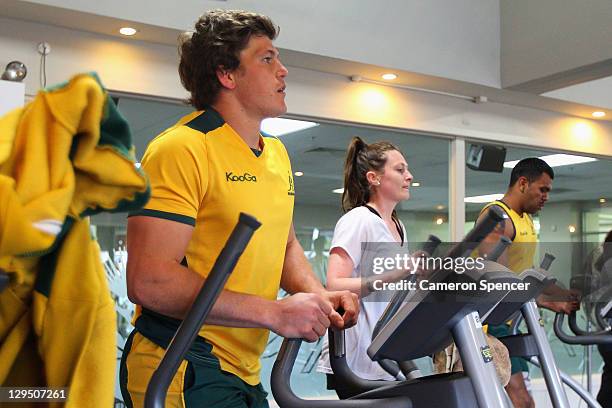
64,156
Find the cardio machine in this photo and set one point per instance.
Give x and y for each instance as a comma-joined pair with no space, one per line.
425,323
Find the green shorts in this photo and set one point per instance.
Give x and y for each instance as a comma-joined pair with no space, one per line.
518,364
197,383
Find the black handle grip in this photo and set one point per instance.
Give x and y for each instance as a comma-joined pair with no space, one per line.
547,261
431,244
157,389
492,217
504,242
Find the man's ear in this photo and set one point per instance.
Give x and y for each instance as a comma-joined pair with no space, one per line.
226,78
523,183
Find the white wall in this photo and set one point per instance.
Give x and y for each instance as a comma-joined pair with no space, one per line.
329,96
13,94
456,39
131,66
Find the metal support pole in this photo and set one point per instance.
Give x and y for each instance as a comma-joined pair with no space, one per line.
574,385
589,361
478,362
456,204
545,357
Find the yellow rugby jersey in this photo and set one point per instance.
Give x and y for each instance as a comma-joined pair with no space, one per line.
203,174
522,252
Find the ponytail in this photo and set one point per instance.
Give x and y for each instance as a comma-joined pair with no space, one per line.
356,190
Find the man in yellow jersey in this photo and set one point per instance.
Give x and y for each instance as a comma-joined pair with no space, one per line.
530,184
204,171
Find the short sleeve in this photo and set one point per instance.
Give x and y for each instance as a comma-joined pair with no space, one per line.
349,234
176,165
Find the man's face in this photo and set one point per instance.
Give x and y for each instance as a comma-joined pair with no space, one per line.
260,79
535,194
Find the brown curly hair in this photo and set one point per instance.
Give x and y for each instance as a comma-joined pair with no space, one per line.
218,39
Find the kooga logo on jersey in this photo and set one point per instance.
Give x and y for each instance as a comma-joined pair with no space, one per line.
230,176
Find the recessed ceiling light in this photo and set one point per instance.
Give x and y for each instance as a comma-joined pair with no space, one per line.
602,200
557,160
416,184
127,31
487,198
439,220
439,207
571,228
599,114
281,126
338,191
389,76
298,174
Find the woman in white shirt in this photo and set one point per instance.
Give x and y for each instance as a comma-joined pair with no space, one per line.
376,179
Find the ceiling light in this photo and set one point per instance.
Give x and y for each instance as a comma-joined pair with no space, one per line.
137,165
487,198
280,126
389,77
127,31
416,184
439,221
599,114
298,174
571,228
602,200
338,191
557,160
439,207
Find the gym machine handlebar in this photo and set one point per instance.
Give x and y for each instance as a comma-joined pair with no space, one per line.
224,265
504,242
547,261
281,386
478,233
582,339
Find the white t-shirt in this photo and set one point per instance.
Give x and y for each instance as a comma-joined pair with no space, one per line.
356,227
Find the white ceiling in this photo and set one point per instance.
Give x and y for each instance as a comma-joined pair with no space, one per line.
596,93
